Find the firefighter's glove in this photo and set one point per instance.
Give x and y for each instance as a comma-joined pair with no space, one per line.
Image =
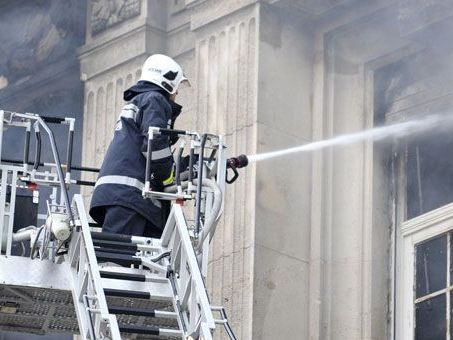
184,164
161,171
169,180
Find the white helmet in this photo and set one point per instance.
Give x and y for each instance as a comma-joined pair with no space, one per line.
164,72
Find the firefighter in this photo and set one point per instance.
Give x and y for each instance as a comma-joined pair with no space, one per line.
117,203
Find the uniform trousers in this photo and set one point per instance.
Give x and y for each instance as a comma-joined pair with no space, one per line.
122,220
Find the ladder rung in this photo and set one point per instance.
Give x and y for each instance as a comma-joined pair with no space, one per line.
111,237
149,330
127,293
117,258
115,251
132,311
123,276
133,329
114,244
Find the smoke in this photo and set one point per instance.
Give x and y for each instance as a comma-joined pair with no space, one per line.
40,73
39,69
35,34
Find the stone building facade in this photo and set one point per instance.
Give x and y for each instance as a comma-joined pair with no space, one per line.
313,246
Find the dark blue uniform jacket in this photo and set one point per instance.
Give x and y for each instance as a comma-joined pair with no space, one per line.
122,174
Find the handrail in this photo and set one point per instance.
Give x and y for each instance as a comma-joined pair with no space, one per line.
212,219
40,121
85,271
193,301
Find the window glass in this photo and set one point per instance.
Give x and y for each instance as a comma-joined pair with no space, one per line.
430,319
432,287
429,173
431,266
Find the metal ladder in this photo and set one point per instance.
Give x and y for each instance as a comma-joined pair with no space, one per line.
126,285
120,286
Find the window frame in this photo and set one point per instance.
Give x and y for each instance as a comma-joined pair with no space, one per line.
414,231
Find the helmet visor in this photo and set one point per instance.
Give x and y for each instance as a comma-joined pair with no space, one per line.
184,83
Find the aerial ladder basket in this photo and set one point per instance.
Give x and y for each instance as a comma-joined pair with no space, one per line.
78,279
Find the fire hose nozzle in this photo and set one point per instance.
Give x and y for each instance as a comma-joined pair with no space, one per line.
240,161
234,163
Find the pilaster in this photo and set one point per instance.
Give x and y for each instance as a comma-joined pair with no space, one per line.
226,60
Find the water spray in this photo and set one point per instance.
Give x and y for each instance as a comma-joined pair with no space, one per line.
411,127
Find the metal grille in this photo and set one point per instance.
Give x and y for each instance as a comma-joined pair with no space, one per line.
139,303
40,311
37,310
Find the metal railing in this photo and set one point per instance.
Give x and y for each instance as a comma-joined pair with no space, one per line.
13,171
192,301
90,303
203,184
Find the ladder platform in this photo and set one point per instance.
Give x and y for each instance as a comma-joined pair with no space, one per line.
41,301
35,296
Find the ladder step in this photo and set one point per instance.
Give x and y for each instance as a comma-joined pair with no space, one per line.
133,329
127,293
115,251
120,259
123,276
132,311
115,244
149,330
111,237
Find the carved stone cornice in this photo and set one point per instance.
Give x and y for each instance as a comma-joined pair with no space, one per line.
108,13
312,7
98,58
207,11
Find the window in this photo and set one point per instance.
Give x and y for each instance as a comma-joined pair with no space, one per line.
424,176
432,287
420,172
426,285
